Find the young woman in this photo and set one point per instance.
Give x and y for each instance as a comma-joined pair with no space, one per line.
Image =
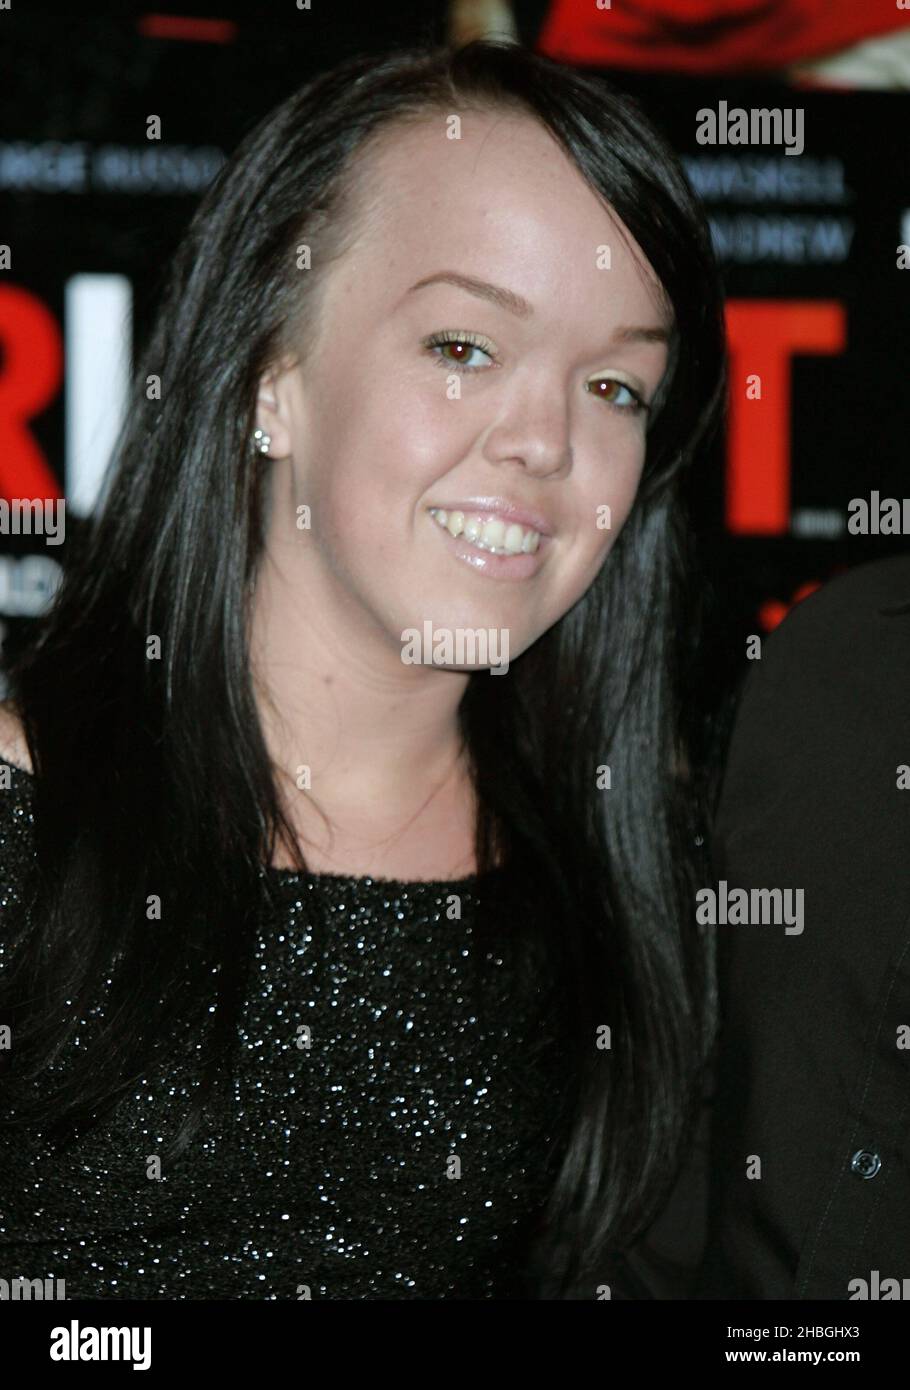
341,958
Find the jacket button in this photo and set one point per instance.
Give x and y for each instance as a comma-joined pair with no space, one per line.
865,1163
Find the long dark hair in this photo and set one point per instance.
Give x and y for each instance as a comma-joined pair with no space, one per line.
152,776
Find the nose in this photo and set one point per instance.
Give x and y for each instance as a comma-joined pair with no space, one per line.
533,433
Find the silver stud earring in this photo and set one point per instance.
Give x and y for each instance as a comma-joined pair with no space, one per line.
262,442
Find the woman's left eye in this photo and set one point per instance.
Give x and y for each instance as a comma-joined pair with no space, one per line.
608,388
468,343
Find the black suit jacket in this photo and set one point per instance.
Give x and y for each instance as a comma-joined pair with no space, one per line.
811,1075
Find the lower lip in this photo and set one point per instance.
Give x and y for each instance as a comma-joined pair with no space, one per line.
520,566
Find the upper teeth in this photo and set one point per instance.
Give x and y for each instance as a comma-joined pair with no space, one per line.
494,535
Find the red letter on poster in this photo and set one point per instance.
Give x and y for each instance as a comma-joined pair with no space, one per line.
32,367
763,335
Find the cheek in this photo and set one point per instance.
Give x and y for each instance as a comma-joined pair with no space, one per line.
607,505
611,487
363,515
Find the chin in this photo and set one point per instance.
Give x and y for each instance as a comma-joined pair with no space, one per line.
462,638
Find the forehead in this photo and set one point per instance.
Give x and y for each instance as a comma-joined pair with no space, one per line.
502,202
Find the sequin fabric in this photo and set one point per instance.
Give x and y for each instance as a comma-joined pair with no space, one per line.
386,1130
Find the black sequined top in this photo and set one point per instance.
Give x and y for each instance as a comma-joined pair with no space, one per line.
402,1147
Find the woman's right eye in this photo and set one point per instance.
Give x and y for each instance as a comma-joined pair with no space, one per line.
466,343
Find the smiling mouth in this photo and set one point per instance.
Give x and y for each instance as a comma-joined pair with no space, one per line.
494,535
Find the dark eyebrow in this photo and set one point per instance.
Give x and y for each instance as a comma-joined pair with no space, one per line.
506,299
642,335
515,304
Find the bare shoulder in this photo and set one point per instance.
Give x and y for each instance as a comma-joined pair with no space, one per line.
13,745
